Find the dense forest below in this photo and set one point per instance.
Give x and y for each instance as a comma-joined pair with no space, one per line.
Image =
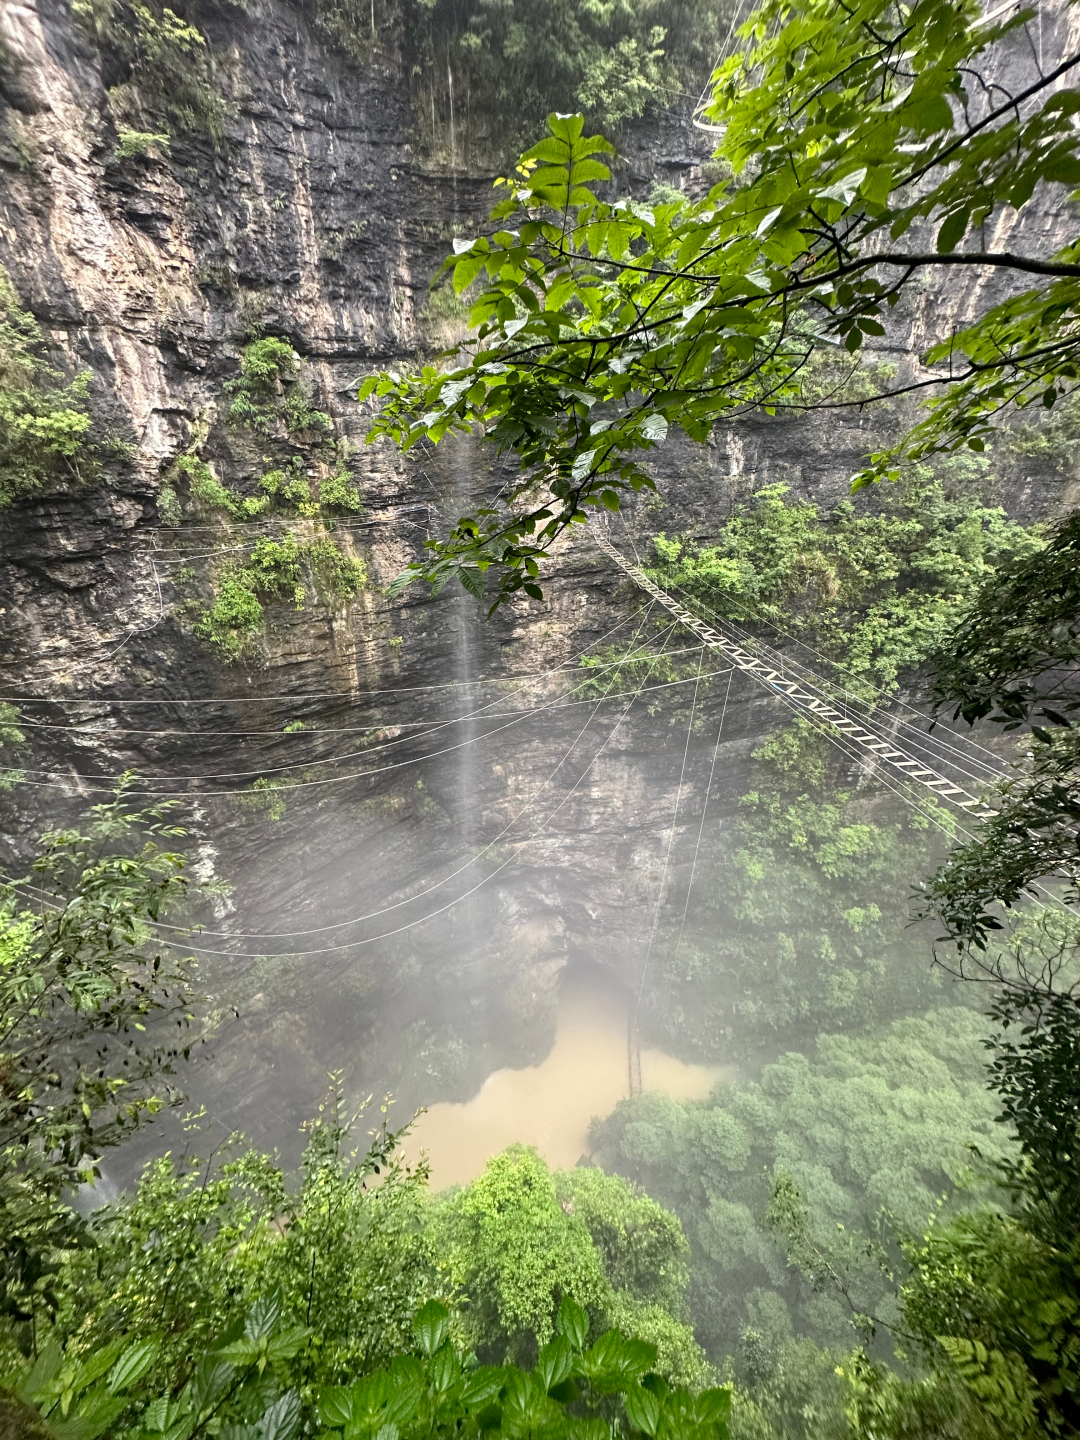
334,741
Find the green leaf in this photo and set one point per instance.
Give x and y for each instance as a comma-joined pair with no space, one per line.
262,1317
88,1424
212,1378
431,1326
565,127
554,1362
443,1370
572,1322
335,1407
472,580
714,1406
132,1365
1063,170
952,231
283,1419
927,115
482,1387
615,1361
642,1409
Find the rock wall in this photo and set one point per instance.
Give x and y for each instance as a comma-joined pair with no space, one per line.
313,219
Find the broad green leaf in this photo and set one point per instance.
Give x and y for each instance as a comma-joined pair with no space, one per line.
572,1322
283,1419
482,1387
132,1365
642,1409
212,1378
431,1326
615,1361
952,231
335,1407
554,1362
714,1406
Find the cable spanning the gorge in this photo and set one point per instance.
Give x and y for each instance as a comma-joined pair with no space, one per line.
801,697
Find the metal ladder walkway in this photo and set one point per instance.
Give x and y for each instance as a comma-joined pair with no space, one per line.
877,750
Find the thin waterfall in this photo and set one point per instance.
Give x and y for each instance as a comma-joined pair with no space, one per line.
466,645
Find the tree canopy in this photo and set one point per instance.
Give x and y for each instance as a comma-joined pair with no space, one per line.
867,145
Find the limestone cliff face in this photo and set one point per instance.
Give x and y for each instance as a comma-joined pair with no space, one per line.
312,219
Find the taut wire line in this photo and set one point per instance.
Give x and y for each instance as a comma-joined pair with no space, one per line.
312,733
701,826
345,696
411,924
196,795
514,716
397,905
835,665
667,863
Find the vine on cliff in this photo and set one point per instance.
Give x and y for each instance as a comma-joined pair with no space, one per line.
301,488
160,68
45,421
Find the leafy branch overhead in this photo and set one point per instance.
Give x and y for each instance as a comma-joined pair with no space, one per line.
866,144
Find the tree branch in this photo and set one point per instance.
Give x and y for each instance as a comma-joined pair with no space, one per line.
1001,258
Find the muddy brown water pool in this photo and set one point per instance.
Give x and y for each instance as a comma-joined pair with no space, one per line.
551,1104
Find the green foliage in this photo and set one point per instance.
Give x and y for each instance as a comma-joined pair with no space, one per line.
1051,440
82,978
272,571
601,325
167,77
137,143
1011,657
642,1246
168,505
12,738
79,1398
1014,634
218,1277
1002,1308
339,577
44,419
240,1386
1034,1069
876,591
483,76
517,1253
209,494
937,1406
269,393
798,917
345,1258
519,1240
609,1384
309,484
1029,842
881,1124
266,795
337,492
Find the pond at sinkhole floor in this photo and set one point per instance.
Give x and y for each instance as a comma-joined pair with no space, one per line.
551,1104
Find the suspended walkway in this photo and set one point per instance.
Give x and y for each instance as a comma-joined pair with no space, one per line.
872,746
